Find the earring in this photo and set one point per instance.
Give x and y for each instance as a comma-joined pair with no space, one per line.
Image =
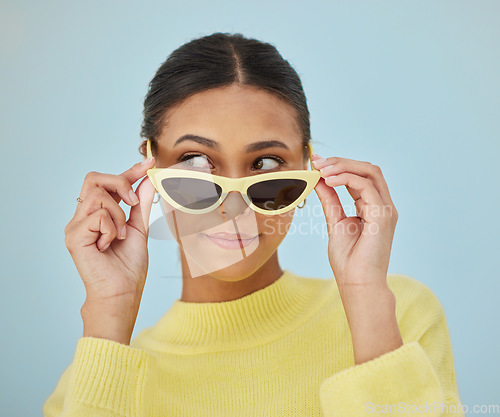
158,194
303,204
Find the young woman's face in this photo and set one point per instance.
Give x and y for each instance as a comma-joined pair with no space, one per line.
230,119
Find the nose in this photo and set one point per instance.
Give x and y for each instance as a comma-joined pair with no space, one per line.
233,205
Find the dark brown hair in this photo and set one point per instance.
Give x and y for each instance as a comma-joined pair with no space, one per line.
219,60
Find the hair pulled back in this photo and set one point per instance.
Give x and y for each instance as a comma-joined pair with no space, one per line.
219,60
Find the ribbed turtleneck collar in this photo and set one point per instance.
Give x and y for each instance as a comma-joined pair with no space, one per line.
250,320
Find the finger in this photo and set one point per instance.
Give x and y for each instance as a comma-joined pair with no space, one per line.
101,222
119,186
363,169
138,170
139,214
366,190
336,165
97,230
100,198
332,207
320,162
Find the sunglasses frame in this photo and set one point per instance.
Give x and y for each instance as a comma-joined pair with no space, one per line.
227,184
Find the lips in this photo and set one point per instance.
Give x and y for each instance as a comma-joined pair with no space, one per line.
230,236
230,240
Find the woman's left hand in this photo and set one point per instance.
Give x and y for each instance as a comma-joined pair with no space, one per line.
359,247
359,250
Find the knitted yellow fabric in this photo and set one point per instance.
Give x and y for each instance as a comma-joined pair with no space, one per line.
284,350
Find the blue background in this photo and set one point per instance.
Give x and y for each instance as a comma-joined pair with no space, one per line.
411,86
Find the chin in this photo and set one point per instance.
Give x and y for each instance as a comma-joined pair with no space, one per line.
223,264
234,273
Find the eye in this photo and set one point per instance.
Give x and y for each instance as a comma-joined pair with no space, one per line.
195,161
268,162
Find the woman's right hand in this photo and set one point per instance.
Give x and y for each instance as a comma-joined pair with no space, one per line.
113,268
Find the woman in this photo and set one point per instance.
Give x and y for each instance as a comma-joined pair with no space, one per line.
224,114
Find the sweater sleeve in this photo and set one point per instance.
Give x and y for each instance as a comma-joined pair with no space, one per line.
418,378
105,379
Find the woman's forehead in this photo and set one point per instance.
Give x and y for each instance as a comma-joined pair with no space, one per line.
233,113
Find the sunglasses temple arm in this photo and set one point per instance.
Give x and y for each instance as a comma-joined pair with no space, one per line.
149,153
311,151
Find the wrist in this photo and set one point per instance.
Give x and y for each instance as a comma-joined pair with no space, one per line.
109,320
362,299
371,315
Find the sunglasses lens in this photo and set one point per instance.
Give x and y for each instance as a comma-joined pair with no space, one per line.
192,193
276,194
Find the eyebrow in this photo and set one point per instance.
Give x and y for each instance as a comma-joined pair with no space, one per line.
253,147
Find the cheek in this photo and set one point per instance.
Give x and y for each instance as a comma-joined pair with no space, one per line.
275,227
180,223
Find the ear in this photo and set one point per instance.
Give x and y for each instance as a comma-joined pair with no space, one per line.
143,148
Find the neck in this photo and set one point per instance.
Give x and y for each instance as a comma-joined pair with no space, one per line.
257,318
228,284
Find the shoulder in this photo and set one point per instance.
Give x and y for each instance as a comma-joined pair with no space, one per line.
410,291
411,294
418,309
405,284
417,306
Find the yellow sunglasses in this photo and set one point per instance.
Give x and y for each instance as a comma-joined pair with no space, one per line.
198,192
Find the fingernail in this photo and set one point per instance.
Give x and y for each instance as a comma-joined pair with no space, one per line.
123,233
133,197
105,247
319,161
330,178
147,161
327,169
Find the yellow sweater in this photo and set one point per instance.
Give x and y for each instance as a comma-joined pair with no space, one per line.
284,350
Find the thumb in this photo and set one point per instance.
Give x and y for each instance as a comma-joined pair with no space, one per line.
139,214
330,202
